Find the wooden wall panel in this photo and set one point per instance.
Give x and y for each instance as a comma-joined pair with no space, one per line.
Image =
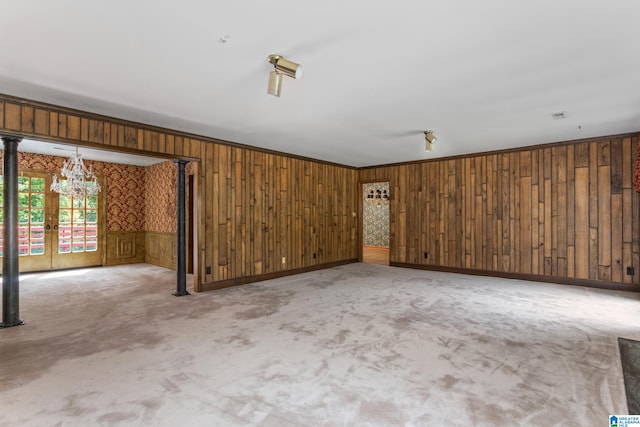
125,247
565,211
160,249
256,207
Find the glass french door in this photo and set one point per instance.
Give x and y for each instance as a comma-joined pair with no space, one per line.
54,231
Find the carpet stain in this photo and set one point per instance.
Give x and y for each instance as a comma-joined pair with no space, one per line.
352,345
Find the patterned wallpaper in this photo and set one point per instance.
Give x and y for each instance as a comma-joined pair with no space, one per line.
124,198
160,203
376,217
123,183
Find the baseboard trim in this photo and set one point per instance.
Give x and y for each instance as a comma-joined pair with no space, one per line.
522,276
228,283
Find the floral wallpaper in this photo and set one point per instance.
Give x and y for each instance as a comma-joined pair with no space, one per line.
124,198
376,217
160,203
123,183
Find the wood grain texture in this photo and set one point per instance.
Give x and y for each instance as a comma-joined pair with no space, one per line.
565,211
160,249
125,247
260,212
557,211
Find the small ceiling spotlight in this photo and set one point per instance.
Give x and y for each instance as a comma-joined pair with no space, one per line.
430,139
281,67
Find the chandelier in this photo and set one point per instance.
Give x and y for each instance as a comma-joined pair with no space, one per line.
78,181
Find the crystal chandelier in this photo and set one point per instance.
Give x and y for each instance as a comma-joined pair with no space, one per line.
79,182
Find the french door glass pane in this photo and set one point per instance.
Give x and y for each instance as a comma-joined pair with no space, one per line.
31,205
77,221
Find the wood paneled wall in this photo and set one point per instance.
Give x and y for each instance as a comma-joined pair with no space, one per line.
255,207
565,211
125,247
274,213
160,249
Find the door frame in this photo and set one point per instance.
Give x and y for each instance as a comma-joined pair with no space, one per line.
361,185
198,205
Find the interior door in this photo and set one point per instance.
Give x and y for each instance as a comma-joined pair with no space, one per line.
54,231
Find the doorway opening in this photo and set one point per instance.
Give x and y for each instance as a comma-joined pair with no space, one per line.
375,223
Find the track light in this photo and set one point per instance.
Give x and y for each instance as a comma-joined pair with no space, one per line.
275,83
281,67
430,140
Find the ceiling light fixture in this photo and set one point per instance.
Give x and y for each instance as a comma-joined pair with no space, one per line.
275,83
77,180
430,140
281,67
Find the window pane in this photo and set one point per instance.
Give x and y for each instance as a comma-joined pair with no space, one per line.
37,185
92,202
64,239
64,246
64,201
78,202
78,216
64,232
37,200
37,240
78,232
23,247
64,216
23,233
23,200
92,216
37,216
23,184
23,240
23,216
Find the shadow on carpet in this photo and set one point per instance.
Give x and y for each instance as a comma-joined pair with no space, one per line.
630,357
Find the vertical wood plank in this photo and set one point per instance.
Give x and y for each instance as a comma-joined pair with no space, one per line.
27,119
12,116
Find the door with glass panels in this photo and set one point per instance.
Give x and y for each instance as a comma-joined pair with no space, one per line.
75,234
54,231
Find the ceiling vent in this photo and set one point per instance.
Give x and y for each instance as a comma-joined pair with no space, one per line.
558,116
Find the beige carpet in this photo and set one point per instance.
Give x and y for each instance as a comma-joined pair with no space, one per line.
360,344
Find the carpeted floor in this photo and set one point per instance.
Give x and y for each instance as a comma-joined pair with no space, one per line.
360,344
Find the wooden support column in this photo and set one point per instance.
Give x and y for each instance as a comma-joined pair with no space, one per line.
10,261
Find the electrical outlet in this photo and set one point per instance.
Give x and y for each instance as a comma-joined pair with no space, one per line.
314,255
284,260
207,269
630,271
426,255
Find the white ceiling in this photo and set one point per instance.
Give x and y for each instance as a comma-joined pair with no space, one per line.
483,75
64,150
